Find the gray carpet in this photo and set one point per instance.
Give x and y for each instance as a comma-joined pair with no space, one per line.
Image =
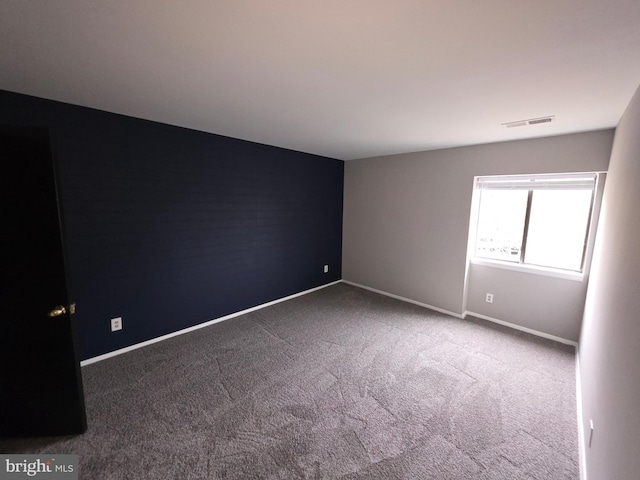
339,383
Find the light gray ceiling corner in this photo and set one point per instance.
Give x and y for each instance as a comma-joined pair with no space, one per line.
341,79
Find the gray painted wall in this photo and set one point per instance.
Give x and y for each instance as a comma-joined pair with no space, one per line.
610,338
406,217
546,304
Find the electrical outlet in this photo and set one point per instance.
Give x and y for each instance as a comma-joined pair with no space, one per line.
116,324
326,269
489,298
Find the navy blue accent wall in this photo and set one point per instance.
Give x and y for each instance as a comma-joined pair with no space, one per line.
169,227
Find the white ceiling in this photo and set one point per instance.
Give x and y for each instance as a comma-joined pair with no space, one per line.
342,78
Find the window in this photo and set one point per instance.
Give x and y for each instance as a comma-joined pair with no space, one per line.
540,220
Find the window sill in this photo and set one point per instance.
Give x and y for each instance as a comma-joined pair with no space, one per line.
548,272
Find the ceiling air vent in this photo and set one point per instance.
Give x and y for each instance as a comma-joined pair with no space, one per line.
531,121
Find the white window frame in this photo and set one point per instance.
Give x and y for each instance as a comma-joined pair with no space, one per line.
585,180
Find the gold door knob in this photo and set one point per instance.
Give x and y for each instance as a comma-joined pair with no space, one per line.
57,311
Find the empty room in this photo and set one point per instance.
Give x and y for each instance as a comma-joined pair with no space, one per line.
296,240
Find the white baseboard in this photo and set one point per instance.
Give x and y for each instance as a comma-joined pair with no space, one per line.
581,439
200,325
464,314
404,299
522,329
582,447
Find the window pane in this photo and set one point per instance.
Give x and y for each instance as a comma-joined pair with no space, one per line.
558,228
501,224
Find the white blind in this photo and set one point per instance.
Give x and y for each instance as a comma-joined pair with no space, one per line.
565,181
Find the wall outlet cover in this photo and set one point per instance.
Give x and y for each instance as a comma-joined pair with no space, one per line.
116,324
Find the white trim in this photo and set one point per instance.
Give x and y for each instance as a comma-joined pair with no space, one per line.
522,329
582,448
197,327
539,181
527,268
466,312
404,299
